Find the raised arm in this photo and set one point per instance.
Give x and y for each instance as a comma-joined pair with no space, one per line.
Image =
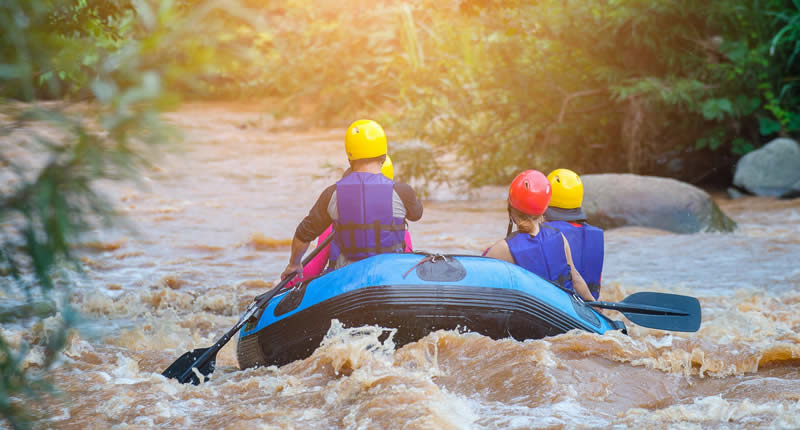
578,283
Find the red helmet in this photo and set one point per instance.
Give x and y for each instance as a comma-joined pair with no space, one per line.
530,192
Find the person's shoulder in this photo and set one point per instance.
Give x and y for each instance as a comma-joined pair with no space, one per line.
406,192
327,193
403,186
500,250
511,236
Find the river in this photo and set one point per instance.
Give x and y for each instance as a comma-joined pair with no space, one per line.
209,227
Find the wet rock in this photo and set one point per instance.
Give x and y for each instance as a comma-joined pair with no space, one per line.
617,200
773,170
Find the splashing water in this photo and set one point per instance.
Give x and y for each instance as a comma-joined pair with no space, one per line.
213,229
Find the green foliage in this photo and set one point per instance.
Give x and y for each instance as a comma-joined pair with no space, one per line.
595,85
534,85
53,153
506,85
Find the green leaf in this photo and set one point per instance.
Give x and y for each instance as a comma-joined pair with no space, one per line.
768,126
46,76
701,143
741,146
794,122
746,106
714,109
737,51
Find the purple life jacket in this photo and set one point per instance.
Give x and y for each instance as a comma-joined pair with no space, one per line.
542,254
366,225
586,245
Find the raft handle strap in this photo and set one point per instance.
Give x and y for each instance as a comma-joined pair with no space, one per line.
432,258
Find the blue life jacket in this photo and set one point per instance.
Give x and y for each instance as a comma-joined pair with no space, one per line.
542,254
586,246
366,225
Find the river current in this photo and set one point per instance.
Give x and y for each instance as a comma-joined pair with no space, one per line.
209,227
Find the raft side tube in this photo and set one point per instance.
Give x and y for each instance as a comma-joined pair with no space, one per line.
492,297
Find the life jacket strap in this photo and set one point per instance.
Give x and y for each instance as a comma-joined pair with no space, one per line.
549,226
377,249
377,228
381,227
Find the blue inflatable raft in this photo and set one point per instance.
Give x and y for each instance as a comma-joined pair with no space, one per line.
416,294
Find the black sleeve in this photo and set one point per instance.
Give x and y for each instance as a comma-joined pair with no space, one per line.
410,201
318,219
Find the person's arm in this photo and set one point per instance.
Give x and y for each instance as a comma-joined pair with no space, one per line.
410,201
500,251
313,225
318,218
578,283
299,249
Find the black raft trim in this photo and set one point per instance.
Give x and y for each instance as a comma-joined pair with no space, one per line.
416,311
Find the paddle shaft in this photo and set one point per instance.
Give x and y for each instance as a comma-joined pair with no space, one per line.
638,308
661,311
258,303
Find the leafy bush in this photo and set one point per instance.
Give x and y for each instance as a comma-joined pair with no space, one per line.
674,88
629,85
53,153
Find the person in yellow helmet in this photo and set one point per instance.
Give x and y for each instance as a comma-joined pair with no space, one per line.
566,215
368,210
316,266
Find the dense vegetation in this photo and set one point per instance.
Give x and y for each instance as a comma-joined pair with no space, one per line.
670,87
121,55
674,88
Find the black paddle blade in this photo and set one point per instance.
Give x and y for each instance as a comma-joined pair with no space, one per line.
179,368
680,313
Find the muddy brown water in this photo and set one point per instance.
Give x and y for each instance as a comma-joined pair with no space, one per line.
213,219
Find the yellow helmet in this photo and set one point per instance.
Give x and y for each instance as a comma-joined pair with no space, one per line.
388,168
567,189
364,139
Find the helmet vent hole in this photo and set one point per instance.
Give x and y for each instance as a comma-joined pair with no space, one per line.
527,185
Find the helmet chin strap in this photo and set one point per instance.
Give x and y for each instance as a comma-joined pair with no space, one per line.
510,225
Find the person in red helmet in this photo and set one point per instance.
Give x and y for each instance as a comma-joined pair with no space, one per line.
536,246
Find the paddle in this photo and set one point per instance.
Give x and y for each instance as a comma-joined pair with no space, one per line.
658,310
200,362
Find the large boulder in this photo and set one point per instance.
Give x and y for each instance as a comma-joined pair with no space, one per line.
773,170
617,200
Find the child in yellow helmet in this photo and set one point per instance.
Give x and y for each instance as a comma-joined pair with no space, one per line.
565,214
368,209
317,264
